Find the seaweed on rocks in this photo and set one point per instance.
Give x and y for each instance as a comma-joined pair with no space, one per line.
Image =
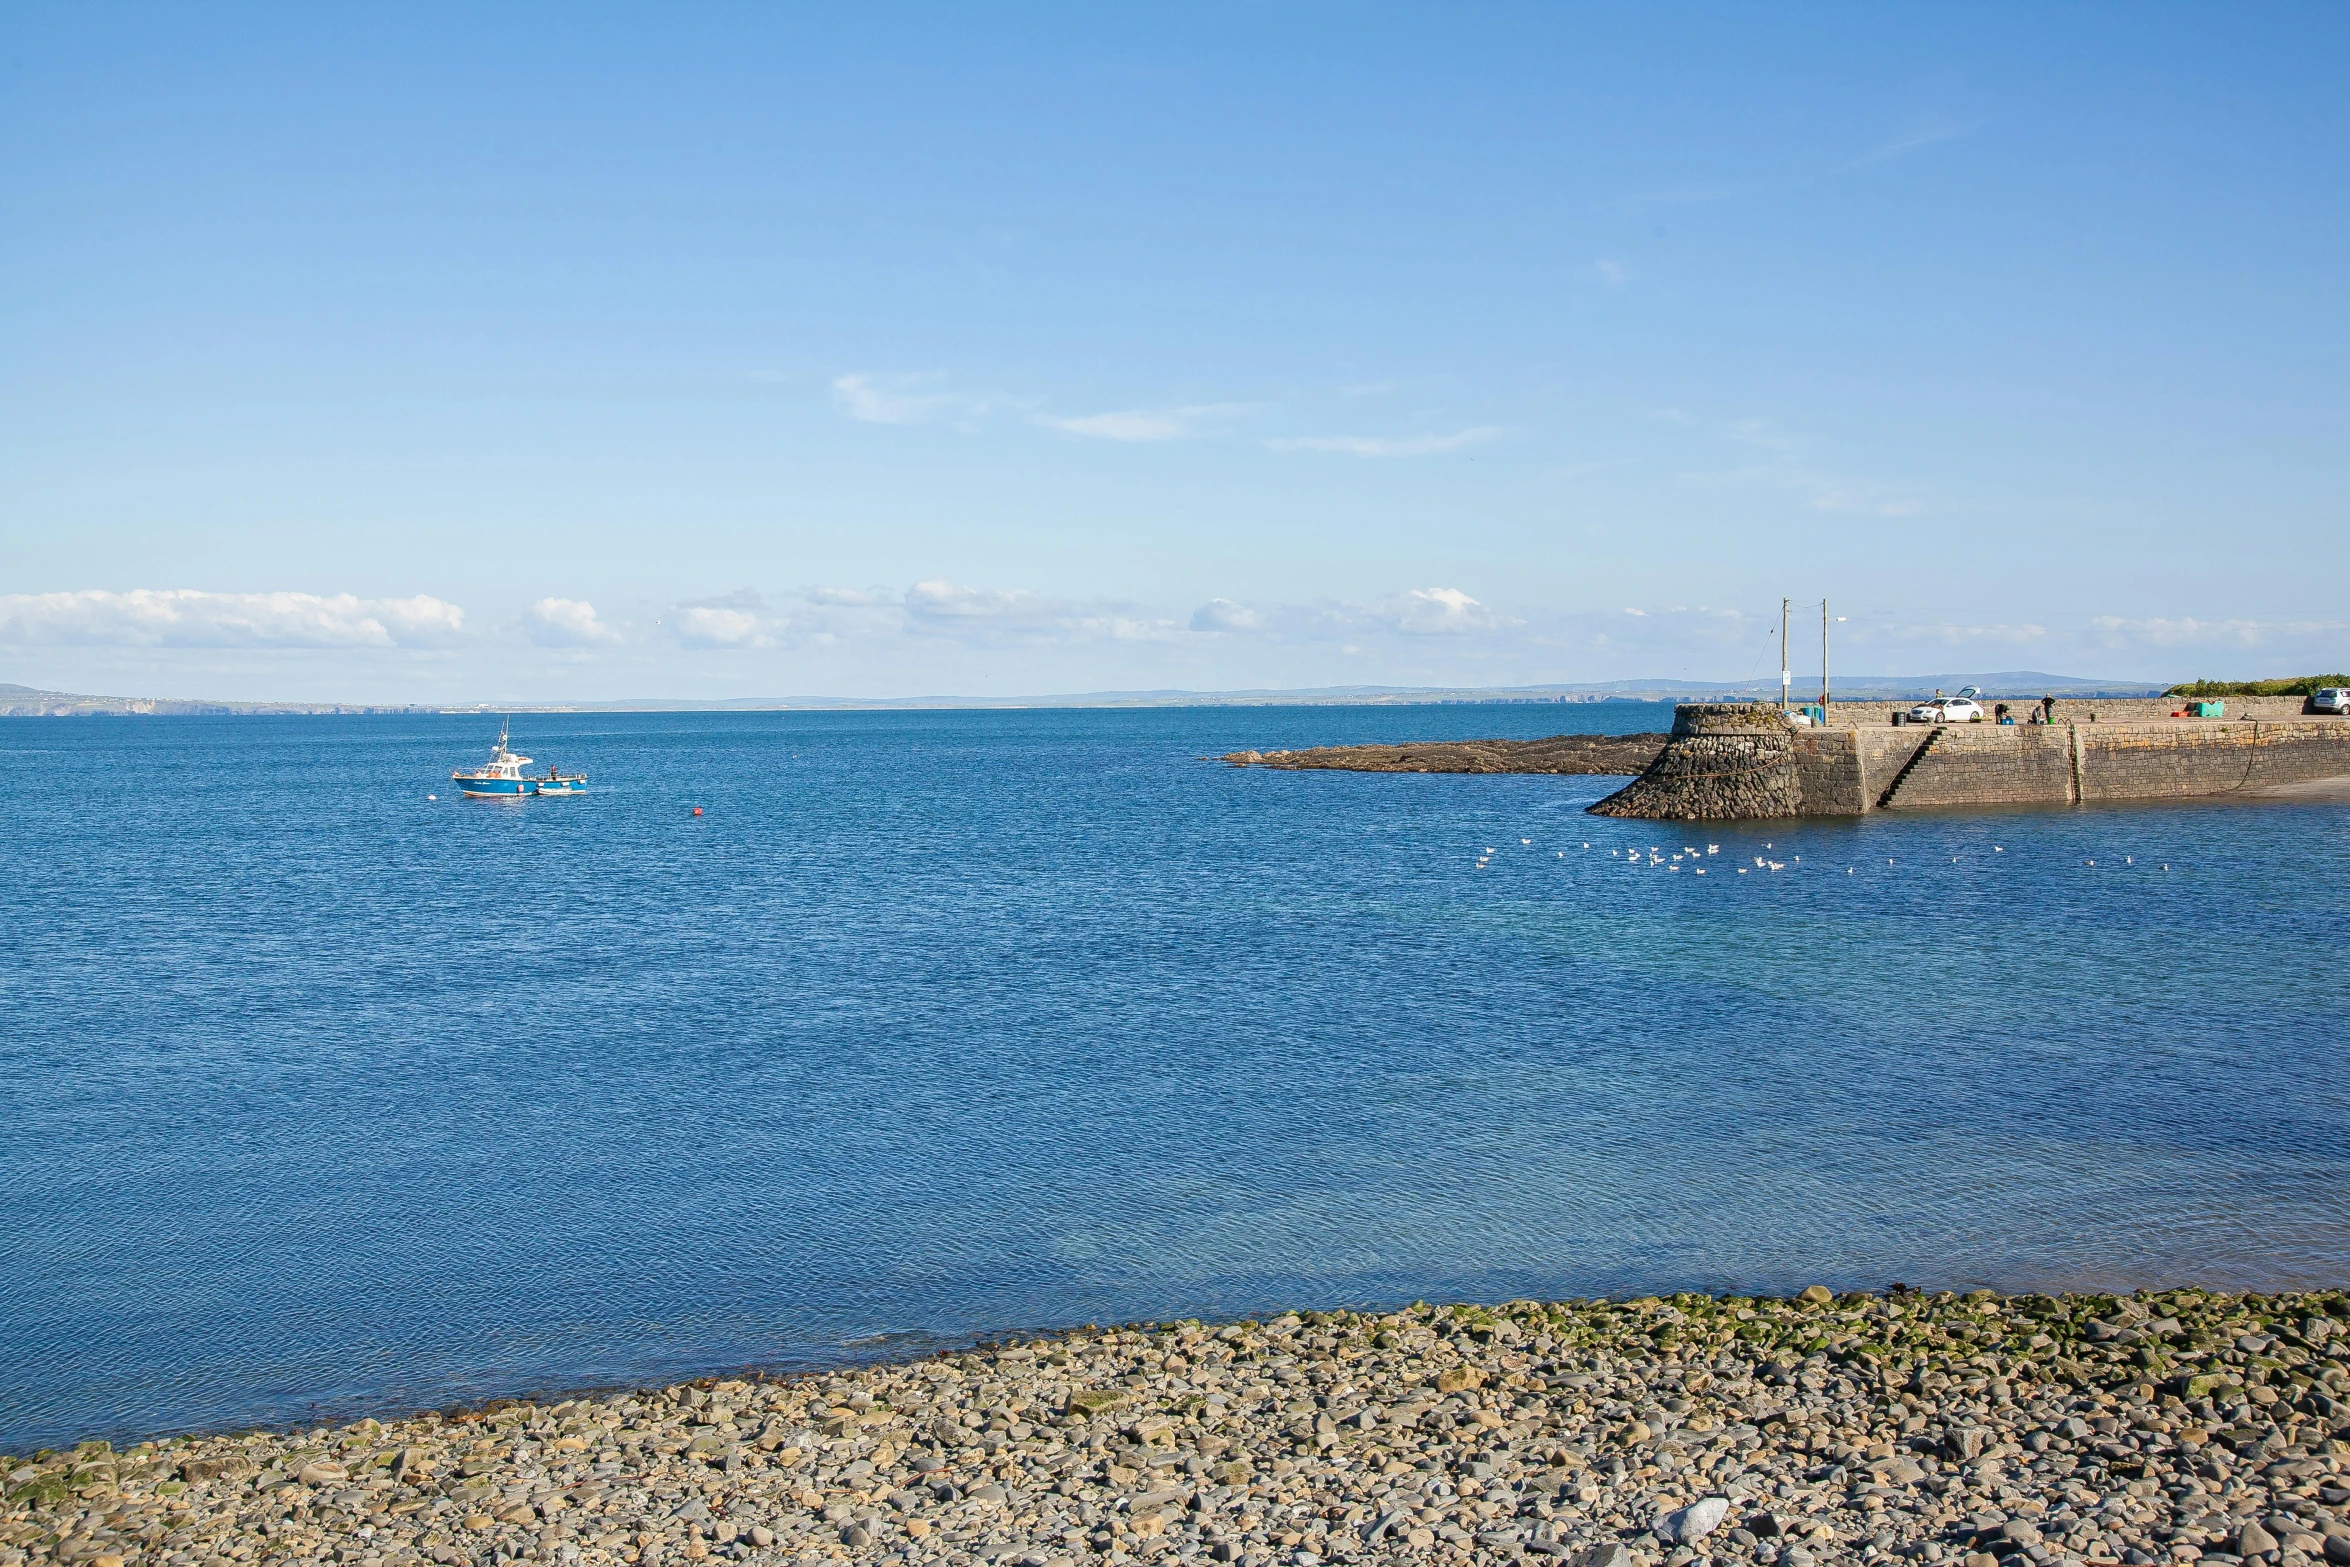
1558,754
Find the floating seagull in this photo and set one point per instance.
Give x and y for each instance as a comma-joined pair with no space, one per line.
1526,841
1995,849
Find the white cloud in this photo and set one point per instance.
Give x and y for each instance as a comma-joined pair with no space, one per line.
1380,446
734,620
1142,424
1132,425
192,618
1612,273
899,399
2187,631
567,623
993,617
940,605
1128,628
852,598
1426,612
1420,612
703,625
1224,615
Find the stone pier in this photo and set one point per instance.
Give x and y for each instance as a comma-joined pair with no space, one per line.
1732,761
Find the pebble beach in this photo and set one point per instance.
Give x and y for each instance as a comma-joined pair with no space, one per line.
1978,1430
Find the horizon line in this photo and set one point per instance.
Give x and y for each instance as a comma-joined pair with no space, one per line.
30,701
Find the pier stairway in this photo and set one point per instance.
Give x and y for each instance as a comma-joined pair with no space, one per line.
1885,800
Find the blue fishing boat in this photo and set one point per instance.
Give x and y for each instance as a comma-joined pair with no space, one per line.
503,778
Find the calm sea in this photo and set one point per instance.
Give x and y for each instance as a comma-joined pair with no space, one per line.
319,1096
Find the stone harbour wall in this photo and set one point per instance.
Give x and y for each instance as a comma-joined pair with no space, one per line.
1726,763
1971,764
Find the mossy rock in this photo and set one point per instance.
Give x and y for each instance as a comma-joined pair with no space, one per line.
2206,1385
49,1490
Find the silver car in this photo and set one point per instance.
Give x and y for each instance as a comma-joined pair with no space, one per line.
1947,710
2330,699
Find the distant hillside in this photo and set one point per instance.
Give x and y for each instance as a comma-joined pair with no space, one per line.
27,702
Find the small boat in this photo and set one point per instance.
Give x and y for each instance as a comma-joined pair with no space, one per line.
503,778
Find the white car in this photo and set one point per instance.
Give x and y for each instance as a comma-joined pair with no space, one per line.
2330,699
1947,710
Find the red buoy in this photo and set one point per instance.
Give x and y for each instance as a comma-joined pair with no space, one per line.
697,810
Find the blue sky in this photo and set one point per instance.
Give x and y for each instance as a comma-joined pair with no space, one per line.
541,351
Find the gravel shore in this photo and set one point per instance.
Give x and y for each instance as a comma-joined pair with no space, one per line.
1977,1430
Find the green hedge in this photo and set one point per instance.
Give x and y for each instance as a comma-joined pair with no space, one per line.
2297,687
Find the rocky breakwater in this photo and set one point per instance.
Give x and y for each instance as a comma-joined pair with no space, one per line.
1583,754
1724,761
1686,1431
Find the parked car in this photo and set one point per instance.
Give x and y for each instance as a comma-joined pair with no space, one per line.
1947,710
2330,699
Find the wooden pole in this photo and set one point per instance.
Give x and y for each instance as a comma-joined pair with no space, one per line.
1783,676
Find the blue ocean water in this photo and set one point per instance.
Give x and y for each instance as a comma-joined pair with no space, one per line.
317,1096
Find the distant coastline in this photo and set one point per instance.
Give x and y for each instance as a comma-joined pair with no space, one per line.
19,701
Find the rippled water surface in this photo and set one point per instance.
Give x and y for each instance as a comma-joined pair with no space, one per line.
317,1095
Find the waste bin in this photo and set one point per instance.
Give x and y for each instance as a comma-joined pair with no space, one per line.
2207,709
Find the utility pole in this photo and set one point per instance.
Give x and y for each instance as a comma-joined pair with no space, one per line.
1823,658
1783,676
